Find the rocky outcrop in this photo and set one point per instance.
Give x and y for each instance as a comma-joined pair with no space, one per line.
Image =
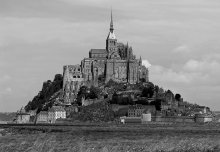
46,96
97,112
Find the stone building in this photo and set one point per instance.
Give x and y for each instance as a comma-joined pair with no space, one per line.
116,61
137,110
42,117
22,116
72,80
55,113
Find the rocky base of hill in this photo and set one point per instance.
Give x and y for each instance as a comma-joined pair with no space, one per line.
97,112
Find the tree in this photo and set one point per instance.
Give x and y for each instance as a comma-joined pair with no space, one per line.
148,92
156,89
114,98
177,97
48,89
83,92
101,79
111,83
94,92
142,80
157,104
143,102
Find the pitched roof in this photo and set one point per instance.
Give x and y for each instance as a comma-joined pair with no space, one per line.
149,108
56,109
137,106
43,113
98,51
111,35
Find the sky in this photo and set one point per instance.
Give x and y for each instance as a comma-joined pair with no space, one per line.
180,39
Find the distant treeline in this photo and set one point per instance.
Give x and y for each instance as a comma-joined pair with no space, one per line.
7,116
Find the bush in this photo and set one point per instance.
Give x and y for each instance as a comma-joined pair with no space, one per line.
48,89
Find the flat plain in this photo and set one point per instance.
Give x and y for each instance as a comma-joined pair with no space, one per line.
111,138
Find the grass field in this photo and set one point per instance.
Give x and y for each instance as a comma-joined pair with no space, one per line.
112,138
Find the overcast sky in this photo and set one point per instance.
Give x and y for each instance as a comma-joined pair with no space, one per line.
180,39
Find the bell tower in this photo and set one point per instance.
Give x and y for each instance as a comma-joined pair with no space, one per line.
111,42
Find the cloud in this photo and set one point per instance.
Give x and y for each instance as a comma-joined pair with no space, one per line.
205,66
182,49
146,63
8,89
201,72
4,78
167,75
196,80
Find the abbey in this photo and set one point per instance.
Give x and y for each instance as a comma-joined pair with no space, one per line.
115,62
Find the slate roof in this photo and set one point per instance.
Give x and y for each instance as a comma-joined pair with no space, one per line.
146,108
98,51
137,106
43,113
56,109
111,35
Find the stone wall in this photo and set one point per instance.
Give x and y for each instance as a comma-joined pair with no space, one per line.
116,70
172,119
72,81
90,101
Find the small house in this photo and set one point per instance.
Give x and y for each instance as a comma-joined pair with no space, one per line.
138,109
202,118
42,117
22,116
55,113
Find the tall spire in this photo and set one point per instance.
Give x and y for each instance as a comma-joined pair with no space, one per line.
140,61
111,23
111,34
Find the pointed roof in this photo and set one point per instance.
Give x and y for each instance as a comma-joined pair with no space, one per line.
98,51
111,23
140,60
111,34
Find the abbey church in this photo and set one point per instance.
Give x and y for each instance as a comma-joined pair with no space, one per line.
115,62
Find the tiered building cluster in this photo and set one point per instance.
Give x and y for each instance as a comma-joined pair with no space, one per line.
116,62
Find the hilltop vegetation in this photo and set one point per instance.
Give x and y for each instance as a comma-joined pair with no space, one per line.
48,90
145,93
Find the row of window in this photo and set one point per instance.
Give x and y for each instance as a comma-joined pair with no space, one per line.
75,69
113,42
78,76
98,55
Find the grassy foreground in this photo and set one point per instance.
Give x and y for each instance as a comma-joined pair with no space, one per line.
111,139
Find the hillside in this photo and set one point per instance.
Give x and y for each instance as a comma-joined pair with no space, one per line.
97,112
49,88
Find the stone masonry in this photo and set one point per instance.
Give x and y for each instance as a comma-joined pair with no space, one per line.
116,62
